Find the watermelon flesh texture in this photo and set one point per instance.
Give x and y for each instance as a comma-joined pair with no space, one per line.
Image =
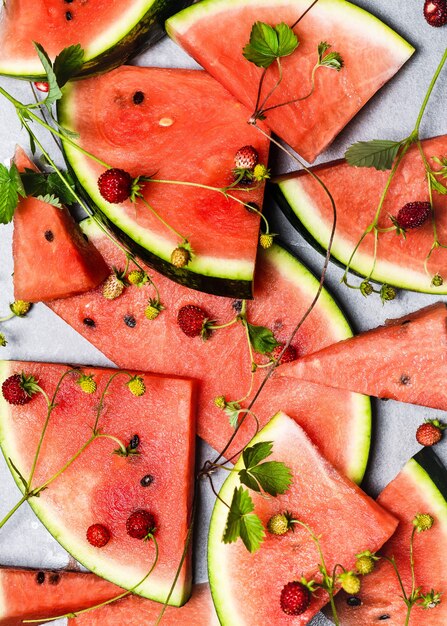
404,360
135,611
214,33
52,259
102,487
338,422
187,128
246,587
421,487
35,594
109,33
357,191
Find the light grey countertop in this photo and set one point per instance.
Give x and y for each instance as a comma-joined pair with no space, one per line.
43,336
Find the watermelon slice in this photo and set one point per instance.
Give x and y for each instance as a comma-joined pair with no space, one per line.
187,128
400,261
109,32
34,594
338,422
246,587
421,487
102,487
52,258
134,611
404,360
214,32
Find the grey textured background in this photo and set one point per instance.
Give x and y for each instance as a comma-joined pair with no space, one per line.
43,336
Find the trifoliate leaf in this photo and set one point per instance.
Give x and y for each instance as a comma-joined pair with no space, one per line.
42,184
332,60
9,192
268,43
54,93
68,63
51,199
257,453
378,153
232,411
242,522
262,339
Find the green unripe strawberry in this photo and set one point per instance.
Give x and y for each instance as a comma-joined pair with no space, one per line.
437,280
365,565
137,277
366,288
266,240
280,523
86,383
387,293
136,386
220,402
153,309
350,582
20,307
423,522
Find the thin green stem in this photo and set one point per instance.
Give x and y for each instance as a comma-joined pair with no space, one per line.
294,100
261,110
164,222
13,510
104,392
429,92
8,317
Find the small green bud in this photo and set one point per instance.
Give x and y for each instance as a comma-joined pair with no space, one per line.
20,307
350,582
280,523
437,281
3,341
387,293
86,383
136,386
137,277
220,402
430,600
366,288
423,522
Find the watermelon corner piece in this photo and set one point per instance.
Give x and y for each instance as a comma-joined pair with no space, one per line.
246,587
214,32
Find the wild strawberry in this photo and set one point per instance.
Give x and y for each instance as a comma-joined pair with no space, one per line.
412,215
290,353
19,388
435,12
365,562
430,433
20,308
280,523
193,321
86,383
246,158
266,240
366,288
137,277
140,524
423,522
136,386
387,293
3,341
112,287
350,582
153,309
220,402
180,257
115,185
41,86
98,535
437,280
295,598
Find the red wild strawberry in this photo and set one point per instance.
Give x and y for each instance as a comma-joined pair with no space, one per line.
41,86
435,12
19,388
140,524
193,321
290,353
115,185
98,535
413,215
295,598
246,158
430,433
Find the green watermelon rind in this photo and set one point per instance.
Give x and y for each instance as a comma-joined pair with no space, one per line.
430,476
304,211
85,554
126,39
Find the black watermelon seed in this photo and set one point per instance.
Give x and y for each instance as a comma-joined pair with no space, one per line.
237,305
89,322
68,16
353,601
85,236
382,618
49,235
134,442
138,97
146,480
405,322
405,380
54,579
68,1
130,321
40,577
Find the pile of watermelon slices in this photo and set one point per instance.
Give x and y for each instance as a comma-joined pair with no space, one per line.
109,454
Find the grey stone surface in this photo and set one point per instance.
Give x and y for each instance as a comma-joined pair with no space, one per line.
43,336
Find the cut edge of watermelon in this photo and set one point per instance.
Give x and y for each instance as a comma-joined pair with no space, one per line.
308,214
129,20
426,470
159,591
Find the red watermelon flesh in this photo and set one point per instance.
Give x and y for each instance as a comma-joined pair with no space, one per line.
214,33
187,128
339,422
246,587
135,611
419,488
52,259
357,192
404,360
102,487
34,594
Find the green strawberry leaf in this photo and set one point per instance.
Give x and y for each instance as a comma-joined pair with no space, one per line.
68,63
242,522
378,153
273,477
54,93
332,60
10,188
268,43
262,339
51,199
42,184
257,453
437,185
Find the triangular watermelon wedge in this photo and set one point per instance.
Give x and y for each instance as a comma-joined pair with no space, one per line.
404,360
421,487
35,594
246,587
101,487
214,33
52,258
